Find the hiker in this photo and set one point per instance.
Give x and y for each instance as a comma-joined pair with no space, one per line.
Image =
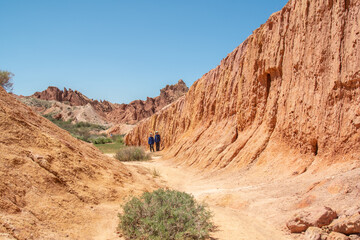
157,141
151,143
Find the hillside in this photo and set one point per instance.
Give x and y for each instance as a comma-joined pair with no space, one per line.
53,186
285,100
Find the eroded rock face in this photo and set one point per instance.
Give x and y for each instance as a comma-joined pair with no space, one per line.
292,87
120,114
75,98
137,110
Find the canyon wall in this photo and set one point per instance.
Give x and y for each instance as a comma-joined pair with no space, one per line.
288,97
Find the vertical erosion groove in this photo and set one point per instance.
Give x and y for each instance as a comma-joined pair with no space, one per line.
314,146
308,8
347,5
268,85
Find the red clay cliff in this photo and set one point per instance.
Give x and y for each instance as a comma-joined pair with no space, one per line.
290,92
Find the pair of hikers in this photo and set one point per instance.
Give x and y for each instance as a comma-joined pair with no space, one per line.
151,142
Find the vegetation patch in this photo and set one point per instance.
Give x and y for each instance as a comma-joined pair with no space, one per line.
127,154
101,140
82,130
165,214
35,102
113,147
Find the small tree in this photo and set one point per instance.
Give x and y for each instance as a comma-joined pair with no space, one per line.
5,80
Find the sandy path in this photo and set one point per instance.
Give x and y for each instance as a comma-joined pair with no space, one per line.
232,224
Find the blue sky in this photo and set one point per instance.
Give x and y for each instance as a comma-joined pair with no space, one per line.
121,50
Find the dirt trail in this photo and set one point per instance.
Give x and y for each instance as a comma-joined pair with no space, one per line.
252,204
232,223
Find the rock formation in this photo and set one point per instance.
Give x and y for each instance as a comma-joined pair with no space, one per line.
51,183
122,115
75,98
286,99
137,110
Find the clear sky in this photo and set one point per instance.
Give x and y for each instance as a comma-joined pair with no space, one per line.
121,50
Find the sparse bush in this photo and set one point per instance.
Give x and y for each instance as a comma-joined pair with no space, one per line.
36,102
81,130
127,154
118,138
165,214
101,140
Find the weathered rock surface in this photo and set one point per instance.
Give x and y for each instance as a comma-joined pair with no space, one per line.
315,218
298,225
75,105
75,98
64,111
354,237
337,236
315,233
50,183
290,92
137,110
347,224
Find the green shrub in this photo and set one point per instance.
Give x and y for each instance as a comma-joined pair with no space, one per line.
101,140
165,214
118,138
81,130
36,102
127,154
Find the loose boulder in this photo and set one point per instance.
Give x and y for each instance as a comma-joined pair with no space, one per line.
354,237
337,236
347,225
315,233
298,224
316,218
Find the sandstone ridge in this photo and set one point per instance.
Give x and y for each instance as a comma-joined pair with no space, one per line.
285,100
74,105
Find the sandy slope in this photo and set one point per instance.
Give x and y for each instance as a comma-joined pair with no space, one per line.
53,186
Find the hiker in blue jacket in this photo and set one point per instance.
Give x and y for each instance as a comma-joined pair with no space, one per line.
157,141
151,143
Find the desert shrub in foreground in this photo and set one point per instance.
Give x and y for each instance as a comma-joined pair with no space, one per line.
165,214
127,154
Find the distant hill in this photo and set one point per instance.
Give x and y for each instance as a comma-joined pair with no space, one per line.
73,105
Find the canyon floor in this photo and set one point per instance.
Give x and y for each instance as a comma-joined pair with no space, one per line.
249,206
231,222
227,200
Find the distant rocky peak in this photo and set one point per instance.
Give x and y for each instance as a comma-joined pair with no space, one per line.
75,98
